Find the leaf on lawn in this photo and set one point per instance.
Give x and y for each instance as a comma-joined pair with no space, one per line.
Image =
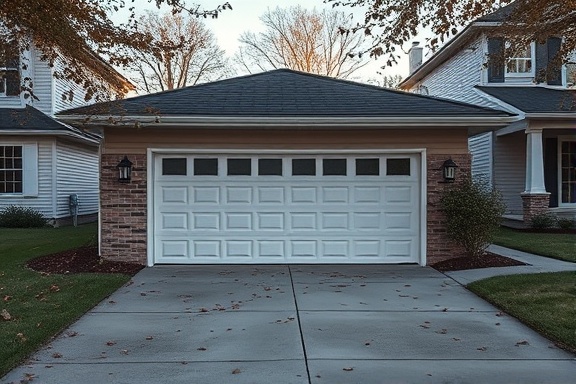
54,288
6,316
522,342
21,337
57,355
236,371
348,369
6,298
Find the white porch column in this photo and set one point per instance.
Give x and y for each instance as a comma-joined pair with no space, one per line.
534,162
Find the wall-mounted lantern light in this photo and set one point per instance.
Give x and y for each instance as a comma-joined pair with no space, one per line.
449,171
124,170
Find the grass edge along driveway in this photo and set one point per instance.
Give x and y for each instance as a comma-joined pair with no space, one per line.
545,301
42,305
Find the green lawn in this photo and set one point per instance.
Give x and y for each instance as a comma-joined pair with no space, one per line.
42,305
546,302
558,246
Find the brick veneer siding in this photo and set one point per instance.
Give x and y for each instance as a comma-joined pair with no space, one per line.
534,204
439,246
123,210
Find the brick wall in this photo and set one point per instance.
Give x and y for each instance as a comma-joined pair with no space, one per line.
123,210
534,204
439,246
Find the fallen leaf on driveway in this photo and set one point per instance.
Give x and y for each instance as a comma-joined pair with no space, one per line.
124,351
203,310
110,343
482,349
201,349
56,355
149,337
348,369
523,342
442,331
236,371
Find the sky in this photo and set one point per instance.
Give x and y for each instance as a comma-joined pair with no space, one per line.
245,17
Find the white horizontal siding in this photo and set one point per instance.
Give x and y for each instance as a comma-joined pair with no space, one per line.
455,79
42,84
43,201
77,172
510,169
480,147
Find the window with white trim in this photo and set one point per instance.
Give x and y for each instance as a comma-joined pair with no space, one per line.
11,170
520,63
9,70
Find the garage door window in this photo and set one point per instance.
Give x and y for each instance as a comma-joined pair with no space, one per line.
304,167
239,167
398,167
334,167
270,167
174,167
205,167
367,167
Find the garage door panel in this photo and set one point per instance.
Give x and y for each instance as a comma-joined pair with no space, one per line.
286,219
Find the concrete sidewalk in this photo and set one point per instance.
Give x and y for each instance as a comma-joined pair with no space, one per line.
296,324
535,264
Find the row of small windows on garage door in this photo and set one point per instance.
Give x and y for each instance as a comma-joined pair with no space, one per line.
205,166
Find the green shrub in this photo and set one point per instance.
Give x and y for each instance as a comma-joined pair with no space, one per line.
21,217
542,221
473,213
566,223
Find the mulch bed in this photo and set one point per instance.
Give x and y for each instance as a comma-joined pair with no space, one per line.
488,260
86,260
81,260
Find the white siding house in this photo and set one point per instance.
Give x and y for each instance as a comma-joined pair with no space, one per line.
523,160
42,161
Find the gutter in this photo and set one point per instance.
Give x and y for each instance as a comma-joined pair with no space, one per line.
41,132
290,121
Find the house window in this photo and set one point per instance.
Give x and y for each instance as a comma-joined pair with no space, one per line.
11,169
520,63
568,172
9,73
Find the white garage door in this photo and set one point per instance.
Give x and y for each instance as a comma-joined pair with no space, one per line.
211,209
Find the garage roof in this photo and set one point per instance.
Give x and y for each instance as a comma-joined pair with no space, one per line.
285,93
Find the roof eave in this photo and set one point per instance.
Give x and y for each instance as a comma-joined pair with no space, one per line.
552,115
42,132
297,121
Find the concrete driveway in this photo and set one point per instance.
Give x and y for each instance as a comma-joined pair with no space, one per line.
296,324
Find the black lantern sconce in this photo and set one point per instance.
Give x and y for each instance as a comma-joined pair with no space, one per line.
124,170
449,171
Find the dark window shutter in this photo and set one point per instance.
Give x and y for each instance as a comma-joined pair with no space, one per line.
495,60
12,83
554,73
541,61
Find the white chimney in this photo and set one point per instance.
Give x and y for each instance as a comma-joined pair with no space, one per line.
415,56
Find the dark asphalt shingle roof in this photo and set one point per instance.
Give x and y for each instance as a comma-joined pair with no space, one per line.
535,99
31,119
500,14
28,118
283,93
